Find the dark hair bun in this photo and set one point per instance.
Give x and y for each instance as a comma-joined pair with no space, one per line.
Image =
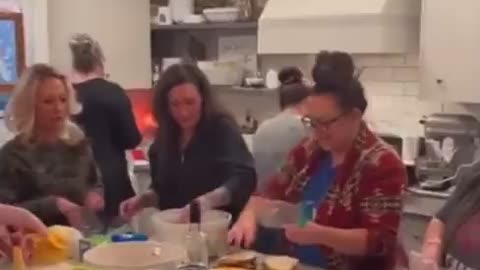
333,67
290,75
334,74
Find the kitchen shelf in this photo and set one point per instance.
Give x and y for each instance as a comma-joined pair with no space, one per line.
244,90
206,26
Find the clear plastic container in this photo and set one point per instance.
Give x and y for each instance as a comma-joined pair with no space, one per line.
215,223
135,256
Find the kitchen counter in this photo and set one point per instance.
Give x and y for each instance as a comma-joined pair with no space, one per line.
422,205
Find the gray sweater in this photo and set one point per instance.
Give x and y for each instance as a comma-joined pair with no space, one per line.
273,141
33,175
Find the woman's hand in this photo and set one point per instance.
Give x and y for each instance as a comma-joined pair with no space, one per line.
71,211
244,231
132,206
307,235
21,219
23,222
9,240
94,201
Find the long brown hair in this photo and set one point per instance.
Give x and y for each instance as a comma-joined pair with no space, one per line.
168,130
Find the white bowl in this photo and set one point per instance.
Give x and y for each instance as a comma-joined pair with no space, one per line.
194,19
215,225
222,72
135,256
226,14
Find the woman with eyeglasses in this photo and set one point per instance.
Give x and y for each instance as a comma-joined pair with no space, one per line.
276,136
353,179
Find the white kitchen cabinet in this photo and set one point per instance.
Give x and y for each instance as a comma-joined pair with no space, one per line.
122,27
450,41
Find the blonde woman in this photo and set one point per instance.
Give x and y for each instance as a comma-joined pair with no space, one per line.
48,167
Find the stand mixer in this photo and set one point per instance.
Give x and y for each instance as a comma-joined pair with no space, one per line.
451,141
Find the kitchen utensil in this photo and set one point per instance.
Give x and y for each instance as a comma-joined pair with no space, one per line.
225,14
307,212
135,256
214,224
451,141
271,237
129,237
180,9
195,241
222,72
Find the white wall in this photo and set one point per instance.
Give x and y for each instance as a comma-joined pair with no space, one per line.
120,26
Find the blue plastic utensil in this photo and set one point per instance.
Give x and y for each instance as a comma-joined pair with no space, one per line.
129,237
307,212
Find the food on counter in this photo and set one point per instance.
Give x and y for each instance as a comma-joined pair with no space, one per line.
280,263
241,259
60,244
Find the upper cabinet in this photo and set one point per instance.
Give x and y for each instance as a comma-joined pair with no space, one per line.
120,26
450,41
355,26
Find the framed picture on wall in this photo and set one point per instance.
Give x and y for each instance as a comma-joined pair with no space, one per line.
12,49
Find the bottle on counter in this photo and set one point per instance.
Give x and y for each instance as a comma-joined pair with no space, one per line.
195,242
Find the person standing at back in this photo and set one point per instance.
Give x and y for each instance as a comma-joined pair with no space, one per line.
107,119
278,135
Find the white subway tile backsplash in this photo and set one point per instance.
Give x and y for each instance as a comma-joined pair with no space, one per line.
391,85
377,74
405,74
411,89
411,60
383,88
379,60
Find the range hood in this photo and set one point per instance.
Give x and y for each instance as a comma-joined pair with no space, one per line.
355,26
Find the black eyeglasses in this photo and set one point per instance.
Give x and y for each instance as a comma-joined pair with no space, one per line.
313,122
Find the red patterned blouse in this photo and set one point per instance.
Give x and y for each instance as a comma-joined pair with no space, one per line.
366,193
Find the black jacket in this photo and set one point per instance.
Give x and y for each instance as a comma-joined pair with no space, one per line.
216,156
108,122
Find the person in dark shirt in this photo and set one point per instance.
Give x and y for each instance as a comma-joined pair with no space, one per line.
199,153
107,119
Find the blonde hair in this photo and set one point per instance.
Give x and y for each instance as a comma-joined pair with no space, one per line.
87,54
20,110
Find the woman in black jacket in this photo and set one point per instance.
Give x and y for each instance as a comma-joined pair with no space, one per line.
107,119
199,153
